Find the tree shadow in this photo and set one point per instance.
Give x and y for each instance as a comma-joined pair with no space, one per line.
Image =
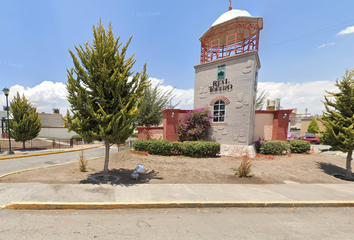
333,170
125,177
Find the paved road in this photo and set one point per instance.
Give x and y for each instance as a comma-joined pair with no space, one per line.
226,223
12,165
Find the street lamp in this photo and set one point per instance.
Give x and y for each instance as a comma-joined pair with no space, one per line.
6,91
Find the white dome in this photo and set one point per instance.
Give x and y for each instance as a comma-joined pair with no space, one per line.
232,14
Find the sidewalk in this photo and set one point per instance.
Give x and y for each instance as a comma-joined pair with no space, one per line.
88,196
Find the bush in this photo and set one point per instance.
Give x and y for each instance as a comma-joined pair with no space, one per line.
299,146
200,149
193,149
195,125
274,147
141,145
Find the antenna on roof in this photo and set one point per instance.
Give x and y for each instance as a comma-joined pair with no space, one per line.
230,8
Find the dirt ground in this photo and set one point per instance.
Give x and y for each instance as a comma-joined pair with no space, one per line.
310,168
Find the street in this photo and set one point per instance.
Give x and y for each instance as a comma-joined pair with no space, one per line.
214,223
17,164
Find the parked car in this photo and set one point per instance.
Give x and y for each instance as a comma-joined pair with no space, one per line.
311,139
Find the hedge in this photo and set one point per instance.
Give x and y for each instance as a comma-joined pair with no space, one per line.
274,147
193,149
299,146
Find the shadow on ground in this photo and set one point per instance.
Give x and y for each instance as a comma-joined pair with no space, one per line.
333,170
125,177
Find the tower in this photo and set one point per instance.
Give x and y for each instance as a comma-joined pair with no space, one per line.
226,79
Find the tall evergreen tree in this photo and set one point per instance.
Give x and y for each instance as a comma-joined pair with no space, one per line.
103,91
26,124
155,100
339,119
313,126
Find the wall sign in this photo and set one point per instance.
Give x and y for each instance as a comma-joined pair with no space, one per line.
221,85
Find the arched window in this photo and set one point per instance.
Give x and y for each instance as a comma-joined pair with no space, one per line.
219,111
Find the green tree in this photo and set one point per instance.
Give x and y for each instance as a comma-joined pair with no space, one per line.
103,91
155,100
313,126
26,124
338,119
261,99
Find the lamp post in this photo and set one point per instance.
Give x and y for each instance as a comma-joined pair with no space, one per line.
6,91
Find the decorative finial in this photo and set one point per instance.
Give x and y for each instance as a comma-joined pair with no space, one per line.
230,8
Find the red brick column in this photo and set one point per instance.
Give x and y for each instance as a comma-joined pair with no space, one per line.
171,118
280,124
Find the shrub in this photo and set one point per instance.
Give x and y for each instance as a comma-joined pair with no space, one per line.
299,146
274,147
200,149
195,125
141,145
244,170
193,149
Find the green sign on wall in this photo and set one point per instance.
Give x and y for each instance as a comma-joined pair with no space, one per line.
221,72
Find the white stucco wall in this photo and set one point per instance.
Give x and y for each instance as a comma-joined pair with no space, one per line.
61,133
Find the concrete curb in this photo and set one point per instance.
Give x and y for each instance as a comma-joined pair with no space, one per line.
152,205
48,153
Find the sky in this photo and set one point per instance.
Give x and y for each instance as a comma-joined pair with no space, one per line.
304,45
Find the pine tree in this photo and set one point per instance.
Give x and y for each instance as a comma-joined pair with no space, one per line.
103,91
150,112
26,124
338,119
313,126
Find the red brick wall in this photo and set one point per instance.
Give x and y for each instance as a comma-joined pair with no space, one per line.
280,124
170,123
144,131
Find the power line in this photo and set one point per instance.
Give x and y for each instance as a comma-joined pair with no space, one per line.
322,31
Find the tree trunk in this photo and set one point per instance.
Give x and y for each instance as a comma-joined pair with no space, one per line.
24,144
106,160
348,173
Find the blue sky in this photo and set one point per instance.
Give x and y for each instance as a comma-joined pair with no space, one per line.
301,50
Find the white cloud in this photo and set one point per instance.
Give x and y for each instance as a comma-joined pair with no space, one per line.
45,96
48,95
325,45
348,30
299,95
184,97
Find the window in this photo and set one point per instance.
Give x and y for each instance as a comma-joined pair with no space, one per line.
44,120
56,120
219,111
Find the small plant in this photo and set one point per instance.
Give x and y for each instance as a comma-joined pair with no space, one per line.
53,143
244,170
82,162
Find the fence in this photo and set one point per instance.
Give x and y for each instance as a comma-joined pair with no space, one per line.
128,145
53,143
39,144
